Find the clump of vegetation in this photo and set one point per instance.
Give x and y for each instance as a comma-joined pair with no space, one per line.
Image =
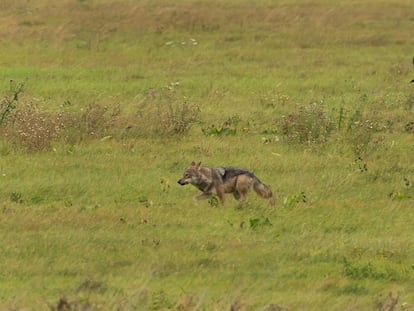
161,113
255,223
16,197
354,130
32,129
169,113
96,121
313,126
374,270
8,104
226,128
25,125
176,117
310,125
291,201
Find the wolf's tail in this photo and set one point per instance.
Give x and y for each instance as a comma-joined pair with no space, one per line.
261,189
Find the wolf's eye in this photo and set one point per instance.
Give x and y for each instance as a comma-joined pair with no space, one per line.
186,175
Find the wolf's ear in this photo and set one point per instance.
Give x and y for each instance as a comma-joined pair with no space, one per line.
193,163
199,165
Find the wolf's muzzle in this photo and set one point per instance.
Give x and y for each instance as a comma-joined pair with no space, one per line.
182,182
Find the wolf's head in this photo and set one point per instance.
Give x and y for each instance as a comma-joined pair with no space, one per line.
191,174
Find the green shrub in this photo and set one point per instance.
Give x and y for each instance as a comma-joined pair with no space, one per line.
32,129
9,102
226,128
309,125
91,123
163,112
374,270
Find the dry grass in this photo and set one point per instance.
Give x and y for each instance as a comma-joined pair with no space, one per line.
161,113
93,23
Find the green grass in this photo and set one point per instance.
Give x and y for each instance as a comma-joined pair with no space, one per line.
313,97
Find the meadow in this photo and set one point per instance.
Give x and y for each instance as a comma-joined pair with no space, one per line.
104,103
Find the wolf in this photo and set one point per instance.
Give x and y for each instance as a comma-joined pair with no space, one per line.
221,180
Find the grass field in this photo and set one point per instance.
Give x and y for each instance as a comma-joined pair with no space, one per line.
105,103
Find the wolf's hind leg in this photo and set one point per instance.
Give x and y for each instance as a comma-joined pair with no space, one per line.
243,185
236,195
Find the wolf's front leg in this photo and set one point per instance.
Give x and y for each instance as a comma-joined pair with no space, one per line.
202,196
220,193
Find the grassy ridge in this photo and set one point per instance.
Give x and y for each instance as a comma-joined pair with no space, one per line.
314,98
